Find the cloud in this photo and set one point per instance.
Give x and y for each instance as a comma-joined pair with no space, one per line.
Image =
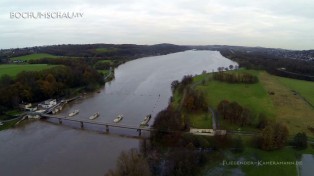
276,23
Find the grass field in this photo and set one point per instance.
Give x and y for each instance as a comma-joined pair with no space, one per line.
105,61
105,72
104,50
252,96
304,88
203,121
33,57
284,106
14,69
290,107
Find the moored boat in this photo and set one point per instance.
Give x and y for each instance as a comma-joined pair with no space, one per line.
118,118
146,120
74,113
94,116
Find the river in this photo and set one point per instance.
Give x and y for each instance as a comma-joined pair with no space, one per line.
140,87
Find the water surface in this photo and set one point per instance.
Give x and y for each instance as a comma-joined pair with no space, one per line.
140,87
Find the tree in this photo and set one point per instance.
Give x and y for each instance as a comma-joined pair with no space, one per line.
300,141
174,85
274,136
262,121
131,163
194,100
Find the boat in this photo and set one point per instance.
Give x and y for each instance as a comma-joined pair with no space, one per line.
74,113
94,116
118,118
1,123
146,120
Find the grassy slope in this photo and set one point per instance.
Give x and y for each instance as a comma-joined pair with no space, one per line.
304,88
283,106
104,50
14,69
33,57
106,61
290,109
105,72
251,96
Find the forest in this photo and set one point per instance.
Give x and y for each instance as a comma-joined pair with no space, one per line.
56,82
285,67
100,51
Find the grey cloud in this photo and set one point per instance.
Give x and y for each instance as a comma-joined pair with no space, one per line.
269,23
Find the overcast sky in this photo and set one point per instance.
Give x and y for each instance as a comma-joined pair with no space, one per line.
285,24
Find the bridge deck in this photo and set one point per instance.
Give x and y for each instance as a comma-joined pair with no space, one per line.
98,123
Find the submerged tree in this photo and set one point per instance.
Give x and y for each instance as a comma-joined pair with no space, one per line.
131,163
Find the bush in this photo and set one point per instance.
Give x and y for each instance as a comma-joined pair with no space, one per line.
274,136
300,141
194,101
234,113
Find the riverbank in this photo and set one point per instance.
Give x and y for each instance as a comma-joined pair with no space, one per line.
134,93
274,97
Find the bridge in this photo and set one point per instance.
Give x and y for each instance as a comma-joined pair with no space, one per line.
139,128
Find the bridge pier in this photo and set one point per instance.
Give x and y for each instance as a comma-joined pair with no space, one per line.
60,121
139,132
82,124
107,128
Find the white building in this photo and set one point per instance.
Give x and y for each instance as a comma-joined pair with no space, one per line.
48,103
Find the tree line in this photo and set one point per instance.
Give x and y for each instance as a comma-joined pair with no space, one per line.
114,52
192,100
235,77
294,68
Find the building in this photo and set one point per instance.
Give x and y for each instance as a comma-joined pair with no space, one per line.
48,103
25,105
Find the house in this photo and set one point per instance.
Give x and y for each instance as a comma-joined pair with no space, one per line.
25,105
48,103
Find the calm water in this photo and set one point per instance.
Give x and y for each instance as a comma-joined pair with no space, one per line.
307,168
140,87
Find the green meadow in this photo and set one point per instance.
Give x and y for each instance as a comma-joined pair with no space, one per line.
33,57
104,50
283,105
14,69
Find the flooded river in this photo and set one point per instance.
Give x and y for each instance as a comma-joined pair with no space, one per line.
140,87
